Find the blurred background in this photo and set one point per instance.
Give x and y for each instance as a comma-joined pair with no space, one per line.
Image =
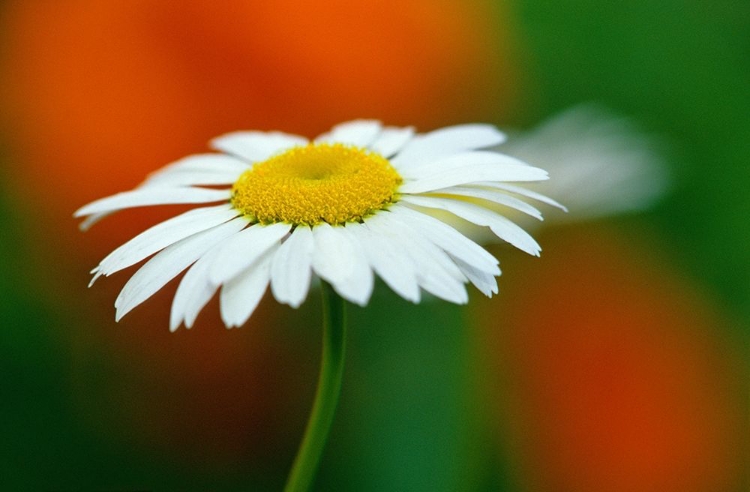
618,361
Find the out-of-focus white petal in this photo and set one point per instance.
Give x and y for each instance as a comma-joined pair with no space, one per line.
447,141
291,268
600,163
168,263
256,146
142,197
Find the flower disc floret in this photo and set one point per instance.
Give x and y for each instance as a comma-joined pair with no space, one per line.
315,183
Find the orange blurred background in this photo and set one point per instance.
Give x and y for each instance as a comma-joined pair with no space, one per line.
623,377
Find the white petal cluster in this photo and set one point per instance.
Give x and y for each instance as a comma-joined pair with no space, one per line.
406,245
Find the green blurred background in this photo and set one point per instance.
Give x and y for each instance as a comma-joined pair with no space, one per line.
617,361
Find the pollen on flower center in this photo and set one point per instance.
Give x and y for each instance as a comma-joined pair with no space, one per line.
316,183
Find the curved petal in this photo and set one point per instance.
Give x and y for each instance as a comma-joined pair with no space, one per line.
436,272
256,146
218,163
193,293
240,296
485,282
337,260
388,261
499,225
466,168
291,268
492,196
168,263
92,219
140,197
244,249
447,141
518,190
193,178
360,133
162,235
446,238
391,140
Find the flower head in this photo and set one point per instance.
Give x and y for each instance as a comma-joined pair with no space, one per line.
355,202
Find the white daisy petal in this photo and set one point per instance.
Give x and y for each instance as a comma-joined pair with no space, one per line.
447,141
391,140
194,178
337,260
428,248
485,282
193,293
447,238
240,296
389,262
243,249
93,219
256,146
330,259
208,163
359,133
206,169
436,272
518,190
152,196
467,168
163,234
168,263
433,275
361,282
499,225
492,196
291,268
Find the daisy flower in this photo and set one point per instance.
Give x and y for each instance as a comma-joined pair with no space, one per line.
359,201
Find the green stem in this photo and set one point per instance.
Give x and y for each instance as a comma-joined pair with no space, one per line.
327,396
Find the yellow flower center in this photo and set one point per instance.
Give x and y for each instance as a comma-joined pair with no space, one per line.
316,183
